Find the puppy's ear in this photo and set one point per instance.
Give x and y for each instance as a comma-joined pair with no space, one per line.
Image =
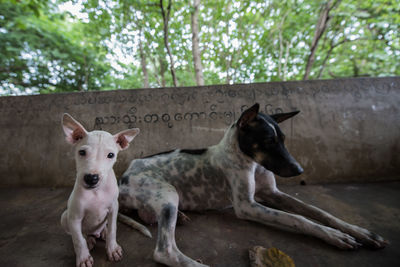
74,131
125,137
248,115
279,117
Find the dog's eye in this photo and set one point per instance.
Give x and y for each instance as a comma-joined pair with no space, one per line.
110,155
82,152
272,140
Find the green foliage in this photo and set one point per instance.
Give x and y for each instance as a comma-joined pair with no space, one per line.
44,50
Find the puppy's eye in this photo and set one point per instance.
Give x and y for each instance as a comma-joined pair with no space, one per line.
110,155
82,153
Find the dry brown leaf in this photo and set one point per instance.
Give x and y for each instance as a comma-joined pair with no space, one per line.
272,257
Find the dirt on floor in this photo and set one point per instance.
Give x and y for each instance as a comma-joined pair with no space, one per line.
31,235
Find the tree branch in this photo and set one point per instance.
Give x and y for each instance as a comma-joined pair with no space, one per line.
166,43
331,48
319,31
198,68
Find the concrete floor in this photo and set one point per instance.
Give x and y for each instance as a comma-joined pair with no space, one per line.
30,233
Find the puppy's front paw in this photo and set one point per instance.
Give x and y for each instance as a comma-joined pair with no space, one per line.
114,253
84,261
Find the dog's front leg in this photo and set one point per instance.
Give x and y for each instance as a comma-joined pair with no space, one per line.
83,257
247,208
286,202
114,251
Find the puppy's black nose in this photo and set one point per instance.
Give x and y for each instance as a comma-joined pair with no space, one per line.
91,179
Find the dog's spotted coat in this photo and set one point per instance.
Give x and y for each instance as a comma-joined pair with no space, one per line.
237,171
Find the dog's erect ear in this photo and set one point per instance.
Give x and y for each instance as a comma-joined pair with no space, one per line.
248,115
74,131
279,117
125,137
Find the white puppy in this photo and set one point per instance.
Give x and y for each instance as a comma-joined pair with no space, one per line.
93,204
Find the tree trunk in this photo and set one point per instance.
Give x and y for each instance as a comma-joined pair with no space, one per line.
280,75
356,69
156,73
319,31
162,71
166,16
288,46
321,69
198,68
228,67
85,86
143,63
228,56
280,55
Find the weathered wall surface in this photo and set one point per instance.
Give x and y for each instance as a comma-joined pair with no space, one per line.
348,129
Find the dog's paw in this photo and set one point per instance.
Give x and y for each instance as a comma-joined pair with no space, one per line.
175,258
342,240
368,238
182,218
115,253
85,261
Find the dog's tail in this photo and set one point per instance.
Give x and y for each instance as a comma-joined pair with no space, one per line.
134,224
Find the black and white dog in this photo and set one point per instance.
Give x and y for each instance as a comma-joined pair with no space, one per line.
239,171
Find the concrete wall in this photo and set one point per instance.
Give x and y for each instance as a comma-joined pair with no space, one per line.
348,129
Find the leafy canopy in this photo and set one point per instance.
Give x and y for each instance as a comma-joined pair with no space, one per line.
44,49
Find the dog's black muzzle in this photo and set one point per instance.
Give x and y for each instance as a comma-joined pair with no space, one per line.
283,164
91,180
293,169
